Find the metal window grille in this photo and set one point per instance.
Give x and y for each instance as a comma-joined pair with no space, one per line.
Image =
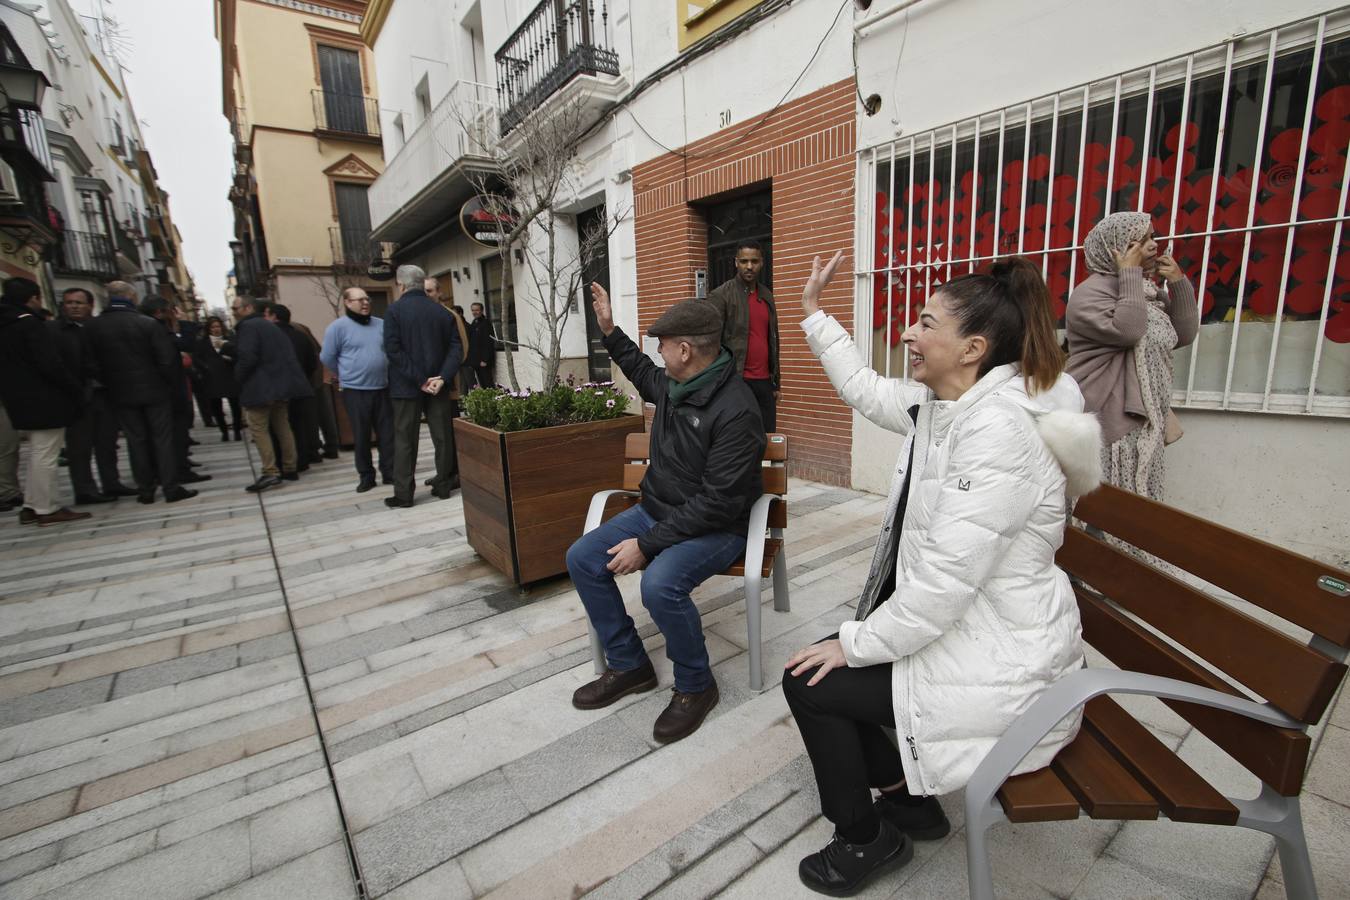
1238,153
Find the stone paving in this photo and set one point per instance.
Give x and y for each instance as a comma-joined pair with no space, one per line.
158,739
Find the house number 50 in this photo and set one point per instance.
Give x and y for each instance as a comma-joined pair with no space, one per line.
724,118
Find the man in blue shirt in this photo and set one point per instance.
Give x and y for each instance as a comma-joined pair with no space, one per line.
424,350
353,350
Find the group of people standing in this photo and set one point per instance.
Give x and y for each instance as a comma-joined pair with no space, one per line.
394,372
964,618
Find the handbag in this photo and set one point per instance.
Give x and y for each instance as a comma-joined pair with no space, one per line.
1172,430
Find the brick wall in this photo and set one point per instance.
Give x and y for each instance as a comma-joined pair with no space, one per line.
804,151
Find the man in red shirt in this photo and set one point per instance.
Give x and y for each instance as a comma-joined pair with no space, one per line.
750,329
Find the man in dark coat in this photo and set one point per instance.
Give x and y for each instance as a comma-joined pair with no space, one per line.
750,329
482,346
422,343
166,314
38,395
302,412
707,443
134,358
269,377
94,435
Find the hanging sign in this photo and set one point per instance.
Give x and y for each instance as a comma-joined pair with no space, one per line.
481,224
380,270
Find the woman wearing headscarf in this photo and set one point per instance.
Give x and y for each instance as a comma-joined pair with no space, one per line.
1123,327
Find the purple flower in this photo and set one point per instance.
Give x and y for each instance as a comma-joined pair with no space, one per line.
631,397
609,404
576,390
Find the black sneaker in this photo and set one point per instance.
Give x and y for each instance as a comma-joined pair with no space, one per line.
396,503
266,482
924,821
365,485
842,869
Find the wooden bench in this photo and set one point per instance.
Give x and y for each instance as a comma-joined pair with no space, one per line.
1203,657
764,555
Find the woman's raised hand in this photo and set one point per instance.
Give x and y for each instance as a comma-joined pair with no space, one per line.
1132,258
819,278
1168,268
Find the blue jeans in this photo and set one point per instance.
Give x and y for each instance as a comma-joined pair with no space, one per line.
666,583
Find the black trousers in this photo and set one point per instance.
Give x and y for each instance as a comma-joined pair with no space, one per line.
841,720
484,376
441,412
762,388
218,412
93,437
323,401
204,407
304,417
367,411
150,441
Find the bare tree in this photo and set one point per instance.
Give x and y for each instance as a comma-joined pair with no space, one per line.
534,166
351,263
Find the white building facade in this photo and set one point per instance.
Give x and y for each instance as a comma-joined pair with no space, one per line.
722,121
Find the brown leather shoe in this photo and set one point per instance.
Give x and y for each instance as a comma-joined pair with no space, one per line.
60,517
612,685
684,714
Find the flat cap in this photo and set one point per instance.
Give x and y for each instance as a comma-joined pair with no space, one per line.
687,319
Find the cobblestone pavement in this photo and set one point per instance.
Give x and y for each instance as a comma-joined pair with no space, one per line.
160,738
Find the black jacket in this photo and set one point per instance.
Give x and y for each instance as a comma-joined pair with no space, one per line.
133,357
215,372
482,347
36,385
266,366
706,452
74,348
421,341
305,354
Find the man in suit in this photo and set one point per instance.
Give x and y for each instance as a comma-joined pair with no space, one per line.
482,346
422,342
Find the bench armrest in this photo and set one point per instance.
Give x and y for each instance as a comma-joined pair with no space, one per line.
759,523
596,512
1071,692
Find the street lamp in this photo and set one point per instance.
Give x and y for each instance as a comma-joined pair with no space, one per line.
22,85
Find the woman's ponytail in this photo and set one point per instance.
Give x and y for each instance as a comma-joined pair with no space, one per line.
1041,358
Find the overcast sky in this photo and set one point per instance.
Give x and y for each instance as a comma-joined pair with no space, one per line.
173,69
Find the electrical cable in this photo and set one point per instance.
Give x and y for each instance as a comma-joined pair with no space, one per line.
765,117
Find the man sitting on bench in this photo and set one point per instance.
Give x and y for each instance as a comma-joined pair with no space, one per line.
707,441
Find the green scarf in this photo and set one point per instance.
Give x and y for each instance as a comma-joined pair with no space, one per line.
681,390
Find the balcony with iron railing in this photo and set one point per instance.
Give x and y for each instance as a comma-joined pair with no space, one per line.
129,247
354,249
84,254
346,114
558,41
431,173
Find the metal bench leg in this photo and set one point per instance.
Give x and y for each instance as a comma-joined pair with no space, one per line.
781,601
752,632
977,847
1282,818
597,652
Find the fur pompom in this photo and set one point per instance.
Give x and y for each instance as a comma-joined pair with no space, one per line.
1075,440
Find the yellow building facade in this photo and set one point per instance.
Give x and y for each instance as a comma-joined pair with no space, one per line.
300,94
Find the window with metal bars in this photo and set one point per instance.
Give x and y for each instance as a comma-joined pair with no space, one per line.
1253,210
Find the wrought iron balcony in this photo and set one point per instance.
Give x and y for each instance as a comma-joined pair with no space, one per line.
129,247
346,113
85,254
355,250
558,41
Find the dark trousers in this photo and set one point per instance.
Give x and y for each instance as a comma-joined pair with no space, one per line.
441,411
323,397
182,433
367,411
218,412
205,408
841,720
762,388
150,441
303,413
93,437
484,376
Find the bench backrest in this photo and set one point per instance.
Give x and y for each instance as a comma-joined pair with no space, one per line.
637,449
1146,620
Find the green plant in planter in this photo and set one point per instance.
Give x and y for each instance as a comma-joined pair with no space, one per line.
563,404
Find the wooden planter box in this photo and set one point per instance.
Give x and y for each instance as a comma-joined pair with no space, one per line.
526,493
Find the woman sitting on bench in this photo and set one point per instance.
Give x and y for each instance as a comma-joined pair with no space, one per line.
964,619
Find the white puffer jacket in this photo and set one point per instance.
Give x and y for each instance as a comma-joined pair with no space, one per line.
981,621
